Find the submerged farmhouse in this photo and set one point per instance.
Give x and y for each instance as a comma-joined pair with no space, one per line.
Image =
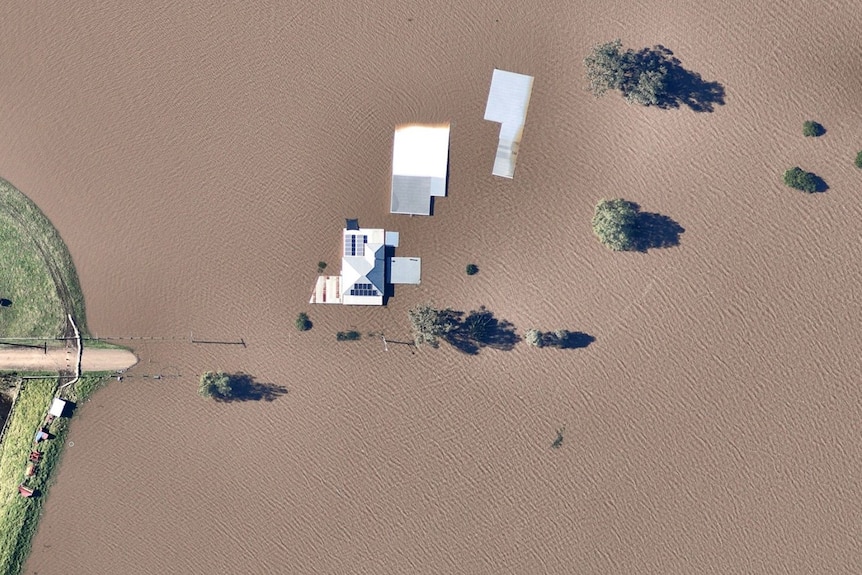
420,164
508,100
368,270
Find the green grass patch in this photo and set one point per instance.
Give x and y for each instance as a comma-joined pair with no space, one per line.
38,282
19,516
99,344
87,386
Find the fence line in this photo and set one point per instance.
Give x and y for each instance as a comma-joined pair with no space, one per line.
9,416
80,355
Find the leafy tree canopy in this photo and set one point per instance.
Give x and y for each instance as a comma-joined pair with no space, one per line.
216,385
430,324
614,223
641,77
799,179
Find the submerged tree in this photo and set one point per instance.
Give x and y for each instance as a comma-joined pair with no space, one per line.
812,129
216,385
534,337
430,324
615,223
303,323
641,77
607,66
799,179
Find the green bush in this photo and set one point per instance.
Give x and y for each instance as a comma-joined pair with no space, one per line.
472,269
614,223
799,179
321,265
813,129
303,323
859,160
351,335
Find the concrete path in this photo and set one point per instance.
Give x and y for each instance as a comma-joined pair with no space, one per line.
21,359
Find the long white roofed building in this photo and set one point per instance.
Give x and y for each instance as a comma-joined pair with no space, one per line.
508,100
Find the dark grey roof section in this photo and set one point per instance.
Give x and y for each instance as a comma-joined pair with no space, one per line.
411,195
377,275
352,224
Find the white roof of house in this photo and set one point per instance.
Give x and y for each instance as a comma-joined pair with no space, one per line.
508,100
405,270
363,267
366,272
420,163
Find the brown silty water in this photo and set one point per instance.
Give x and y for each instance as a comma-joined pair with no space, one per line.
200,159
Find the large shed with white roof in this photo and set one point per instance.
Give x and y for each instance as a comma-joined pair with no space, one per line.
420,165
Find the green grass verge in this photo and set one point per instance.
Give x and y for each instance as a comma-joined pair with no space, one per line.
38,273
19,516
100,344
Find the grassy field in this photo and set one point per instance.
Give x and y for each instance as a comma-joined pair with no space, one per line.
38,288
38,276
19,516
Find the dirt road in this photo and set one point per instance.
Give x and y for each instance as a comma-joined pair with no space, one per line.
60,359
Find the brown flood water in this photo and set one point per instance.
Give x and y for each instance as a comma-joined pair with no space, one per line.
199,158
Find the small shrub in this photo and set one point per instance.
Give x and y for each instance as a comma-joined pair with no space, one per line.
351,335
472,269
812,129
799,179
859,160
535,338
303,323
558,442
321,266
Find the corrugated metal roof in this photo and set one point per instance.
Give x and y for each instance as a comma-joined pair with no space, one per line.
420,163
508,100
411,195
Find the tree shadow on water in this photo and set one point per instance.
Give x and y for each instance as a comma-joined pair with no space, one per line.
682,87
245,388
820,184
480,329
656,231
575,340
